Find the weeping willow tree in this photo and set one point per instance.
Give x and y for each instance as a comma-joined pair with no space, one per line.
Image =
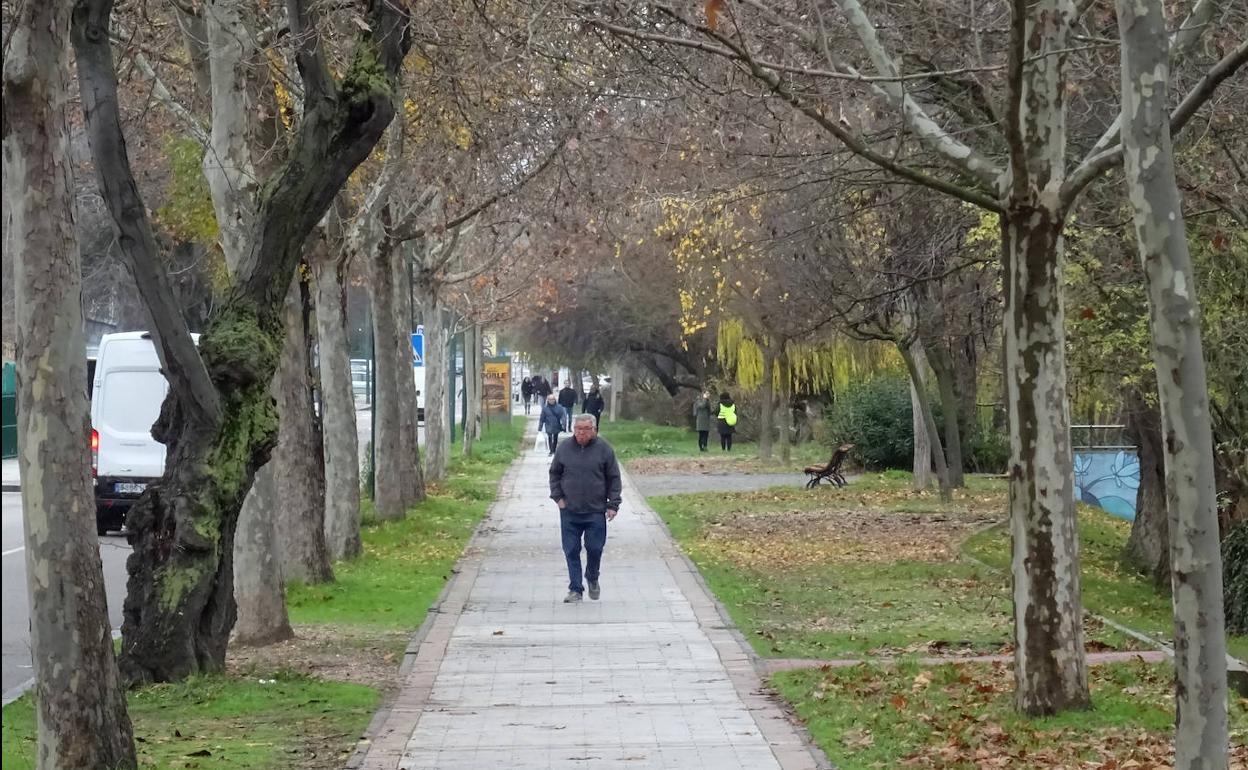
828,364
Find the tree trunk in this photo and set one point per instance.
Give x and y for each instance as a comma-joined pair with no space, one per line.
387,411
922,466
413,477
80,709
1201,734
942,366
786,404
219,423
617,391
341,446
1148,547
300,466
929,421
479,382
259,588
1050,668
437,374
472,379
767,408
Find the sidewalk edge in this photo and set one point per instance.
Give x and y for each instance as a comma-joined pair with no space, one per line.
463,573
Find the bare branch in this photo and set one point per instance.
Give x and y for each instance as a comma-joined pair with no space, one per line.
853,143
161,94
97,76
1093,167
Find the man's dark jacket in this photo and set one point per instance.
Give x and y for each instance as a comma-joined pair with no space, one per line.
567,398
593,404
586,477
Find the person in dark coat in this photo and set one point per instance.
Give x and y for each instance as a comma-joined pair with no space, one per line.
541,388
702,419
554,420
585,483
526,392
726,421
567,398
593,404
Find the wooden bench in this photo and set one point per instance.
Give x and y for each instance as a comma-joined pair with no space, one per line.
831,471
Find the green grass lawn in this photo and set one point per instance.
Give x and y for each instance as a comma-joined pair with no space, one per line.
279,719
962,717
406,562
875,568
221,723
635,439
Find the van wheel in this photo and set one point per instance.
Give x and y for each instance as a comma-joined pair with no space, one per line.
101,528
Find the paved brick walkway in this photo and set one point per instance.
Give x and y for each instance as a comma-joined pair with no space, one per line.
507,676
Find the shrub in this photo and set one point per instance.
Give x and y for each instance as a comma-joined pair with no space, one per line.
875,415
986,451
1235,579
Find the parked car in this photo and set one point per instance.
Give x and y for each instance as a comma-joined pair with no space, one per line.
126,397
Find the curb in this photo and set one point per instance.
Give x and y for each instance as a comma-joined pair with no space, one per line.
808,754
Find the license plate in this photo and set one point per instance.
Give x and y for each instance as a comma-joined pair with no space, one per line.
128,488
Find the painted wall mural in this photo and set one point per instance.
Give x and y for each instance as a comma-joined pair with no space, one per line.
1108,479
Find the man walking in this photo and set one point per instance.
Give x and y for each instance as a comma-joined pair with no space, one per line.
553,421
567,398
585,484
594,404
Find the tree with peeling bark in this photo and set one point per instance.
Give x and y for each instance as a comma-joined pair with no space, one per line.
219,421
1201,735
1019,172
80,707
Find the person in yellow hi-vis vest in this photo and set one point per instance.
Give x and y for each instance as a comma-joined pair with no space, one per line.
726,421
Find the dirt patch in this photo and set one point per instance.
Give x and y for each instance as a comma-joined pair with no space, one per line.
804,538
326,651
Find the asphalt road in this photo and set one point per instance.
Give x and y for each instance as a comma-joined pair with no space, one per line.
17,670
16,613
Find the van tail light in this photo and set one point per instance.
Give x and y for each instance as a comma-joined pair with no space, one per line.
95,451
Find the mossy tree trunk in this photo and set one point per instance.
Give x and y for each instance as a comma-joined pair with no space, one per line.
219,422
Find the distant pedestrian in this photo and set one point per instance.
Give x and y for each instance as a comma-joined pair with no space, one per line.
726,421
585,483
567,398
541,387
702,418
554,420
526,392
594,404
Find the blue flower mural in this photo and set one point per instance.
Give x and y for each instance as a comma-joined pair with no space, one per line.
1108,479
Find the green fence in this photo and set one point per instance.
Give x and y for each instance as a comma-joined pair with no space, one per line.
8,411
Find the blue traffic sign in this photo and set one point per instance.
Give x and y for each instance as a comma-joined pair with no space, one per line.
418,347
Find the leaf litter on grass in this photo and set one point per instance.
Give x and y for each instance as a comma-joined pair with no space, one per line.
961,717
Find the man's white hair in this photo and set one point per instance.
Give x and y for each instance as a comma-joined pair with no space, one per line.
586,417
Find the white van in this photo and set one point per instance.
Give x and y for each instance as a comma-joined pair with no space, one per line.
126,397
418,379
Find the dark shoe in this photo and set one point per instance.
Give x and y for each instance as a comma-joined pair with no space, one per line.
572,598
594,589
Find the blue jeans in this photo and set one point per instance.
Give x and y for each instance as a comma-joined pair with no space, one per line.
593,527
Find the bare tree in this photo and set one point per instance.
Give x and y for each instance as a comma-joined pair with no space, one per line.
79,703
1201,739
219,421
1026,184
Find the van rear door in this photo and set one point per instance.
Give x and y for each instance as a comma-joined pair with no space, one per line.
130,392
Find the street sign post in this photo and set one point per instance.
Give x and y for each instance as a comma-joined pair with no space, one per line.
418,347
